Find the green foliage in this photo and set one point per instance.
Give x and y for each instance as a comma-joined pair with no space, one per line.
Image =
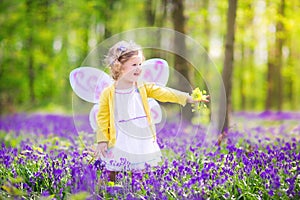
54,37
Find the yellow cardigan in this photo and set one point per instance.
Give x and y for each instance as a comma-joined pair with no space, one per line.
105,117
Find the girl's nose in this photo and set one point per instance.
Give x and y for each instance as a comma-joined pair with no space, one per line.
139,67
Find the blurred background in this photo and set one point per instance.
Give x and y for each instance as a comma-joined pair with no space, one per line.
41,41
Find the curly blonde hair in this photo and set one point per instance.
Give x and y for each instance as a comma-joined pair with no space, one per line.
118,54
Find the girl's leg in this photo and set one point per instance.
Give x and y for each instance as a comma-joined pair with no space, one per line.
107,176
112,176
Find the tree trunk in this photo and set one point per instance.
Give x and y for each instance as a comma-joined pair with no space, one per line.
157,18
150,12
290,81
228,60
206,25
180,64
279,45
107,15
241,78
31,73
29,48
274,77
270,82
161,18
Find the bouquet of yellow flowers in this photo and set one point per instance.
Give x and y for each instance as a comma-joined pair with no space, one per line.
199,96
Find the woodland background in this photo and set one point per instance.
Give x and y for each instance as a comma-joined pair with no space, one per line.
41,41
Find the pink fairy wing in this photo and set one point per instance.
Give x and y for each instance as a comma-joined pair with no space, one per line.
155,70
155,109
93,117
89,82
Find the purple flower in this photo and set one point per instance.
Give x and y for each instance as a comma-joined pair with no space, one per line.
196,171
271,193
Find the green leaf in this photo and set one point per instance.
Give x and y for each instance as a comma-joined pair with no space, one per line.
79,196
18,179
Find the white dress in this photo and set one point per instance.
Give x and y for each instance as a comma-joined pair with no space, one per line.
135,143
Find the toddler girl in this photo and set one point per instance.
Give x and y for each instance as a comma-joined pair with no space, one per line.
126,132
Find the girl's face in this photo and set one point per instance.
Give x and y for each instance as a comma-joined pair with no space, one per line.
131,69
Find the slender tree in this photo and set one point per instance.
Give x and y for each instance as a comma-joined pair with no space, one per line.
206,25
29,46
274,77
150,12
155,12
244,73
228,60
181,65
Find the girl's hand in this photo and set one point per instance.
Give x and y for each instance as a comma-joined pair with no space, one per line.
204,98
101,149
198,96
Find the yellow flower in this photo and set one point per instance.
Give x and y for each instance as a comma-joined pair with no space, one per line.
197,94
111,183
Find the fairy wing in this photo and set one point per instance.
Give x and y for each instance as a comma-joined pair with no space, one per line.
89,82
156,112
93,117
155,70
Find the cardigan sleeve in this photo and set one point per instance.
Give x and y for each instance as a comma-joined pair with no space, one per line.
103,116
166,94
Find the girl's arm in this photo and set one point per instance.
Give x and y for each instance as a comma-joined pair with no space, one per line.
166,94
103,117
